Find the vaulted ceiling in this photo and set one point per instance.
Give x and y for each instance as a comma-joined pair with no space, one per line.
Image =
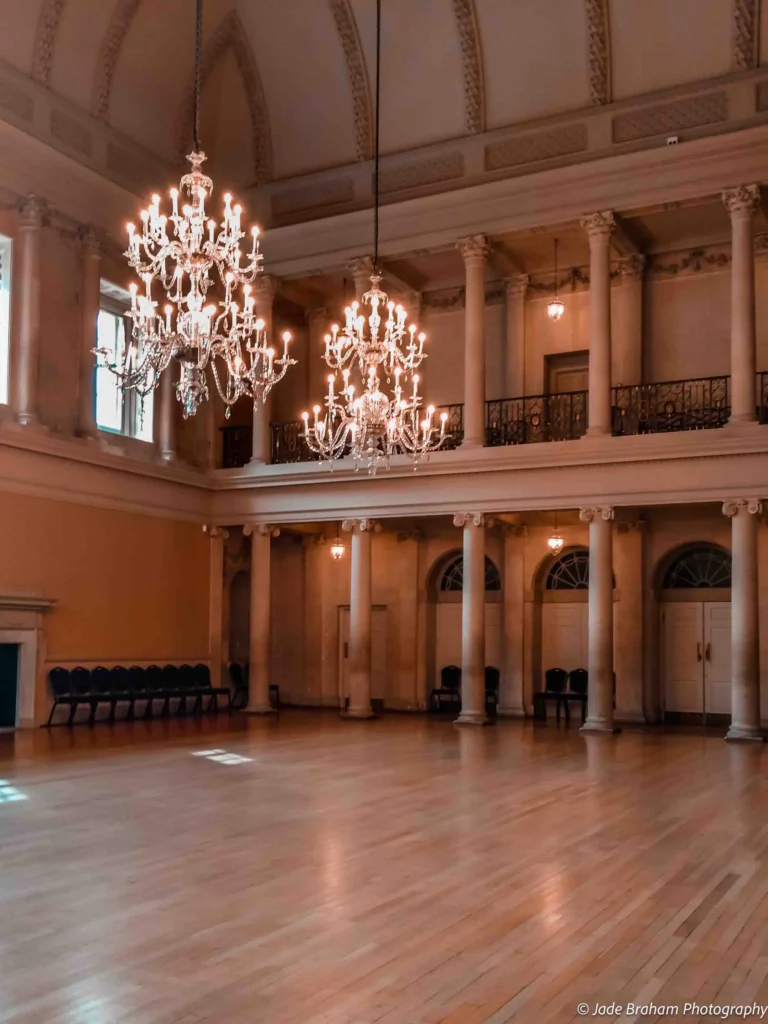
288,83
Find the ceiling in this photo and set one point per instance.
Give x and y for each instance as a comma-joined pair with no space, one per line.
287,83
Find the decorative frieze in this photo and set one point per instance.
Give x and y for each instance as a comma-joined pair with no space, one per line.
427,172
346,27
536,146
667,118
746,33
472,65
599,58
45,38
119,23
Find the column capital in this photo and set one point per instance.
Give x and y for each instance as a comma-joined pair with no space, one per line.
318,314
474,248
260,530
732,507
361,266
599,226
741,201
633,267
215,532
31,211
517,285
264,287
90,242
470,519
361,526
589,515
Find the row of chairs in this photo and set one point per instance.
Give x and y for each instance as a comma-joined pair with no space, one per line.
83,687
563,688
448,694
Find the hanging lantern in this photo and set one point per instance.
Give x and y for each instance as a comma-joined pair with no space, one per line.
555,543
555,309
337,549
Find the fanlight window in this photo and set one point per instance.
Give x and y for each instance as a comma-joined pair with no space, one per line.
702,567
453,575
570,572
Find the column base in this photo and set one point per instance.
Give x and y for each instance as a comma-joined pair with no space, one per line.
511,712
630,717
745,734
260,709
26,419
168,456
598,432
472,718
600,725
471,442
358,714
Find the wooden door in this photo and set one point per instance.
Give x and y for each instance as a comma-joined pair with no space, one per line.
683,657
717,658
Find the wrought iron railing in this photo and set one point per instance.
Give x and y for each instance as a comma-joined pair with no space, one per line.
288,444
237,446
700,404
454,426
531,419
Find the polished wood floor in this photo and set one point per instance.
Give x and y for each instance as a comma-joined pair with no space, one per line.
399,871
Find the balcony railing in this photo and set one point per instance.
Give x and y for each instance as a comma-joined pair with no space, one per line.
698,404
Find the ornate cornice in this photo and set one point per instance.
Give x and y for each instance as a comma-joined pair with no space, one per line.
742,200
109,52
349,37
472,64
45,38
230,35
746,34
599,52
589,515
752,506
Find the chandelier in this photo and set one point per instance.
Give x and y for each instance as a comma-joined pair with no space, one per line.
185,252
555,308
366,422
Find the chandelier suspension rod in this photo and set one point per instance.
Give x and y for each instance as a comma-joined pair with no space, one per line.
376,141
198,69
555,267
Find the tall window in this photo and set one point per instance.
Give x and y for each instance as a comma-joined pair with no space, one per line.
5,316
117,411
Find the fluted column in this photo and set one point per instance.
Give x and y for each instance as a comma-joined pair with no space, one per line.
600,641
218,537
26,371
264,288
515,289
473,620
627,328
475,251
741,203
261,566
745,634
360,618
91,294
361,270
599,228
166,420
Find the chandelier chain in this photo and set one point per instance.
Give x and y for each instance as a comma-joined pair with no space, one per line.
377,157
198,69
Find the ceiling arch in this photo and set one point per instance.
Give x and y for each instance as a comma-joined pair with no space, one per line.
45,39
472,64
119,23
349,37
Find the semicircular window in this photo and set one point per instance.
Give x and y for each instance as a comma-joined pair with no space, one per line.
453,575
701,568
570,572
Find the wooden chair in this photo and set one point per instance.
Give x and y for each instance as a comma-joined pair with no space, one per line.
449,691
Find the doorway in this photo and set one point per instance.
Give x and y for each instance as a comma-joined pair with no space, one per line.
9,685
567,372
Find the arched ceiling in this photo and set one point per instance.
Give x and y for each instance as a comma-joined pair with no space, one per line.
288,85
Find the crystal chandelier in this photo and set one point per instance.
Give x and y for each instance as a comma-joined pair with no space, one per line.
555,309
366,422
185,252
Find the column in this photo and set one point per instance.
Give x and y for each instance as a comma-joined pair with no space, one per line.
628,323
475,251
360,618
515,289
361,270
741,203
91,294
317,368
166,420
25,375
599,228
258,671
473,620
600,641
264,288
511,690
219,676
628,611
745,638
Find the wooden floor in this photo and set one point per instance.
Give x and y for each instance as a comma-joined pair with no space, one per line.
396,871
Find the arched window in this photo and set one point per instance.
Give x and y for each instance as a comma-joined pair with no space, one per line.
699,568
570,572
453,575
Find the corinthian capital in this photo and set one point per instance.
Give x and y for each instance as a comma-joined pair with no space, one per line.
260,530
517,285
599,225
361,266
264,288
90,243
474,248
742,201
749,506
469,519
31,212
589,515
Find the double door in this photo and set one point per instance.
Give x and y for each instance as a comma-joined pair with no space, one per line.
697,658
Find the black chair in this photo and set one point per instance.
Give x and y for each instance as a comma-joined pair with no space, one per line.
449,691
555,680
492,678
120,690
137,675
81,689
171,688
274,696
61,688
155,691
239,698
203,682
578,680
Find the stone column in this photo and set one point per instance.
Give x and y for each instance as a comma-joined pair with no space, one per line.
317,368
216,643
91,295
25,372
628,612
258,671
360,618
600,642
511,703
745,636
514,349
361,270
628,323
264,288
166,420
741,203
599,228
475,251
473,620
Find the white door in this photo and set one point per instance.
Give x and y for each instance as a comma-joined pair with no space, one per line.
448,639
717,658
683,651
378,653
564,636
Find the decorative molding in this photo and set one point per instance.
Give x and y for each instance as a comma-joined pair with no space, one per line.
26,603
575,276
666,118
230,35
598,52
45,39
746,34
90,242
31,213
329,193
752,506
349,37
599,225
516,285
361,525
260,530
744,199
471,519
109,52
474,248
536,146
216,532
404,535
632,267
590,515
472,65
428,172
632,525
712,258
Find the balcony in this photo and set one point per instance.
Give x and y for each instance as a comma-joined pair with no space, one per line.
701,403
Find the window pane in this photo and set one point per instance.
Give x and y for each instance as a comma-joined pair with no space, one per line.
5,315
109,396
